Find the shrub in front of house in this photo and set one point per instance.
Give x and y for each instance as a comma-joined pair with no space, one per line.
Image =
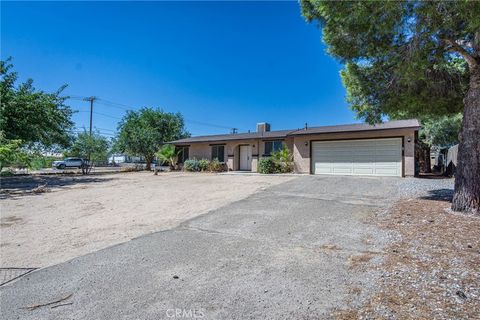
268,165
279,162
191,165
203,164
284,160
217,166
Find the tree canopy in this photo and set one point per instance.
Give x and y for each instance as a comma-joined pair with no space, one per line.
411,59
441,132
400,56
32,116
143,132
86,146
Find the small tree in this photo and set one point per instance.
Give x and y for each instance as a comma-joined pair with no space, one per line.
91,147
143,132
284,159
168,154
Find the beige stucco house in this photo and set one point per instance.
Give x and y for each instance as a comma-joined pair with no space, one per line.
386,149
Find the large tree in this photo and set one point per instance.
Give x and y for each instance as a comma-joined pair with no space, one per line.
35,117
411,59
143,132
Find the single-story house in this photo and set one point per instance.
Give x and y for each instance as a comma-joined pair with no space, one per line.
385,149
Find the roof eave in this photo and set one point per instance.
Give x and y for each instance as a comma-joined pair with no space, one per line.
354,131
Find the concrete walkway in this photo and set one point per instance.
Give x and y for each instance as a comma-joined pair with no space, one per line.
282,253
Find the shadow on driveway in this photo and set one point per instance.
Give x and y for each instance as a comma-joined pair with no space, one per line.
439,194
23,185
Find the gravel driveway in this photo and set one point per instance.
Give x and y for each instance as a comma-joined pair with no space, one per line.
292,251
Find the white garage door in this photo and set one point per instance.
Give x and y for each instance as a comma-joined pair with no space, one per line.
372,157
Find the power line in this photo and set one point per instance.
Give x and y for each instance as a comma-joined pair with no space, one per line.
97,128
101,114
125,107
116,105
128,108
104,129
110,135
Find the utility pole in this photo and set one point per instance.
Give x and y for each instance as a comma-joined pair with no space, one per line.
91,99
89,165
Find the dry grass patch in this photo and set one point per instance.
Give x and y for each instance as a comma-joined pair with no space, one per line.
432,272
329,246
360,259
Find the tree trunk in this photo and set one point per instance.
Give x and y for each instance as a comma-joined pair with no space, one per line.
422,153
467,179
148,161
428,161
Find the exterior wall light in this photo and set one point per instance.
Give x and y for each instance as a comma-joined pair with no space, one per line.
306,143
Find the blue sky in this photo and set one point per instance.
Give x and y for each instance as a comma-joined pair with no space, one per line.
222,64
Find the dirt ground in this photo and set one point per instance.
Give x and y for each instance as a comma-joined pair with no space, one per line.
431,270
48,220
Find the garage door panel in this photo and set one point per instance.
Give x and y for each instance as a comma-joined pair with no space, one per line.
342,171
386,152
377,157
387,172
382,160
323,170
363,171
366,164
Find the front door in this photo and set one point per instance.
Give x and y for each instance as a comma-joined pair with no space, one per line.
245,158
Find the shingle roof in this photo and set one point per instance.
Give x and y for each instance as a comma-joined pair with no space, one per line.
399,124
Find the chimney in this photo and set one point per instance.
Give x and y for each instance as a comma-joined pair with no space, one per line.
263,127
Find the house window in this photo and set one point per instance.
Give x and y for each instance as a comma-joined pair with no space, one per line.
182,154
273,146
218,152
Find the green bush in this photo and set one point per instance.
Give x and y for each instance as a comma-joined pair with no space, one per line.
203,164
191,165
284,160
40,162
168,154
194,165
279,162
268,165
216,166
